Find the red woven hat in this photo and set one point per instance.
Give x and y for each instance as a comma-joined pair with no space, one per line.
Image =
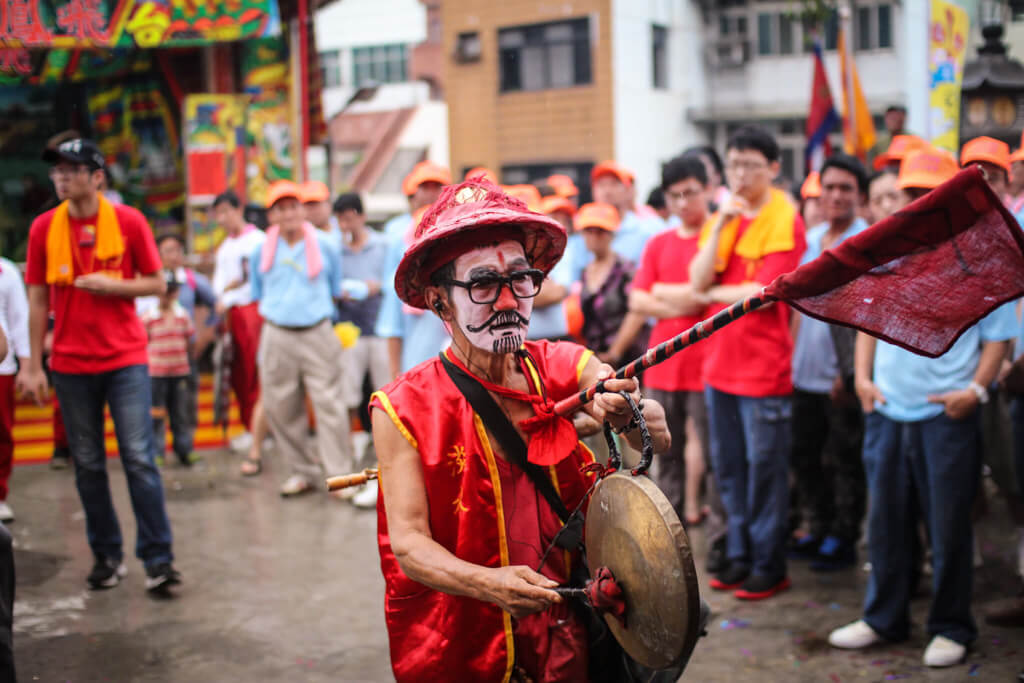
467,216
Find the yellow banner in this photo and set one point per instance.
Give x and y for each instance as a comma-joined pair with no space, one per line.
947,45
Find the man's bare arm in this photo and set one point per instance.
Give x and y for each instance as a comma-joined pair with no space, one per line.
104,285
647,304
518,590
31,379
550,293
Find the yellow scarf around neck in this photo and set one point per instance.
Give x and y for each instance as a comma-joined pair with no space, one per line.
60,269
771,231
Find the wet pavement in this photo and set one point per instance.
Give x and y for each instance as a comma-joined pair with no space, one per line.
290,590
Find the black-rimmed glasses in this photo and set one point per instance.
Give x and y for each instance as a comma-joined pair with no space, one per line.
485,289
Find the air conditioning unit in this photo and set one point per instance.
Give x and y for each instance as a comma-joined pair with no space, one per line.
731,53
467,47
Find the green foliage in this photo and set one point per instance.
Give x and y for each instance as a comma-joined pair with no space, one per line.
813,11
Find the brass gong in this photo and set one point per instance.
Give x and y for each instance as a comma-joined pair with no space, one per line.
632,529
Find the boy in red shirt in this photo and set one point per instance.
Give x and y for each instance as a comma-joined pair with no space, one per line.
661,290
87,260
756,236
169,328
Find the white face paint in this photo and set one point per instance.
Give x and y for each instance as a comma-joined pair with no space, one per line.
498,327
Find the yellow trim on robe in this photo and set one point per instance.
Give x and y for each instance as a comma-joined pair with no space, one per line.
385,402
492,469
582,364
771,231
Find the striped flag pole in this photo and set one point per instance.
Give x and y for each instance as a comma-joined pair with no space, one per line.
702,330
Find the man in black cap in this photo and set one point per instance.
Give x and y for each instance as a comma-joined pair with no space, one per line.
87,261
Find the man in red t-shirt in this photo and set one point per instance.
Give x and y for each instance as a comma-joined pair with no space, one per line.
87,261
756,236
661,290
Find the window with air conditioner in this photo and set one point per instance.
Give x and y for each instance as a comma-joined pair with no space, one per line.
544,56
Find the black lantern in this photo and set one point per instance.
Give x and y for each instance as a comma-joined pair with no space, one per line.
992,96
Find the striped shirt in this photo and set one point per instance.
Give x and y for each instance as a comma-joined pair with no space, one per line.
168,341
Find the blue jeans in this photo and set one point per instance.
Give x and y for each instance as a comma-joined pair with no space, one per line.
127,392
750,445
929,468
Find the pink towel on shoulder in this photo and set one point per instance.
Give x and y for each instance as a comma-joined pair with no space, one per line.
314,260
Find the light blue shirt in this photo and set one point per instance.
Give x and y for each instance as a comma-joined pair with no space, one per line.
286,294
815,366
423,334
549,322
907,379
630,240
396,228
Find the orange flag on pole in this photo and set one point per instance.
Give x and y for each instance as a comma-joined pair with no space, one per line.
858,128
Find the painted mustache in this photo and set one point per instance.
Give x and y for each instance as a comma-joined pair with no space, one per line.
499,320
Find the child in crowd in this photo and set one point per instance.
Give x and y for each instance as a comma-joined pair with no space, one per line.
170,330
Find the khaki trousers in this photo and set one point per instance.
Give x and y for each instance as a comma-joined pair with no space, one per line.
294,363
368,355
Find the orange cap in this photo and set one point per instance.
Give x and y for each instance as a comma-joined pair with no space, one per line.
597,215
623,174
811,187
281,189
528,194
563,185
927,168
1017,156
986,149
554,203
425,172
314,191
482,172
898,149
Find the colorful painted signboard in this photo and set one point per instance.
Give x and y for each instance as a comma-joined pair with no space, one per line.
947,43
133,23
265,78
215,160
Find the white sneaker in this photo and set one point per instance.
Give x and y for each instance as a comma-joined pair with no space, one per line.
241,443
367,498
295,485
855,636
6,513
943,652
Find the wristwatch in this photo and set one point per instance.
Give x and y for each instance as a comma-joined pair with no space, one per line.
979,391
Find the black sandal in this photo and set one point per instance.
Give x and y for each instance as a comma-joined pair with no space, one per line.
251,467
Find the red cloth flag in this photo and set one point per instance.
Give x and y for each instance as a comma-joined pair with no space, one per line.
822,117
921,277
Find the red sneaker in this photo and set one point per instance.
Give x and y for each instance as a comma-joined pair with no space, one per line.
761,587
731,578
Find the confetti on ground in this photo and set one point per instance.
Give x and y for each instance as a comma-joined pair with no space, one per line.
746,652
730,624
896,677
835,605
812,604
973,671
834,678
880,662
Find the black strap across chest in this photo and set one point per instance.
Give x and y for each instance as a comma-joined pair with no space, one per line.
501,427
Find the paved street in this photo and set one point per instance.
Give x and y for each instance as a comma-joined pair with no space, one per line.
290,590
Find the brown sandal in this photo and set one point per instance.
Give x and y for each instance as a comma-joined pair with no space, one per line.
251,467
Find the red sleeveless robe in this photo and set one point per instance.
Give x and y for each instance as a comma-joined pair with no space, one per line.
439,637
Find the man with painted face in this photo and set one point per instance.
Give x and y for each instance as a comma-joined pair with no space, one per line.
461,526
